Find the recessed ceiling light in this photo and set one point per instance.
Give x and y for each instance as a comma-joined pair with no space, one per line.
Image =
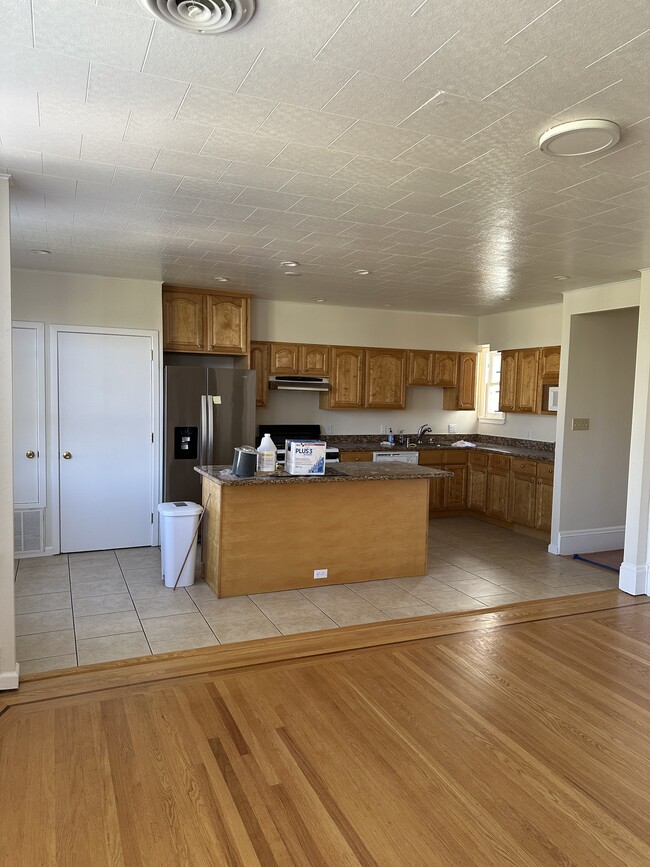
362,272
289,264
222,279
318,300
561,277
388,305
580,138
42,252
292,273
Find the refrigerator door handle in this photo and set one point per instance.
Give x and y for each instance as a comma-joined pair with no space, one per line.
203,435
209,411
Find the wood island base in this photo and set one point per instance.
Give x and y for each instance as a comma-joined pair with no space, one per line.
263,538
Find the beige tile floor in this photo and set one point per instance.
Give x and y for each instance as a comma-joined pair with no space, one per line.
105,605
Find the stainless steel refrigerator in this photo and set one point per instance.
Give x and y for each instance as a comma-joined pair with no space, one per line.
208,411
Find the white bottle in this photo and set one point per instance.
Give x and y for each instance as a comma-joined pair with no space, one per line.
266,455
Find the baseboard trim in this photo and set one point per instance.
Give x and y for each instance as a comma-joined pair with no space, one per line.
634,579
9,679
587,541
30,555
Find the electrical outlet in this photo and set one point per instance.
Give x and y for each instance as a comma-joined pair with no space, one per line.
329,429
320,573
529,434
382,429
579,424
452,428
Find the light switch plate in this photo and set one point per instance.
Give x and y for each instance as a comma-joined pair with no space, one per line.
452,428
579,424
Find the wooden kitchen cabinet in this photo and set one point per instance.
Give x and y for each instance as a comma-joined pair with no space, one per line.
498,486
313,360
527,380
544,497
477,482
445,369
205,322
227,325
523,490
463,395
436,495
526,375
549,375
355,457
260,363
346,386
508,381
285,358
420,367
183,321
385,379
455,487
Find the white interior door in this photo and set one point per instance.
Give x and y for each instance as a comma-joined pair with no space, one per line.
28,415
106,470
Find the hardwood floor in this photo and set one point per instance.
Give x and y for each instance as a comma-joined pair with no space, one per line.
517,736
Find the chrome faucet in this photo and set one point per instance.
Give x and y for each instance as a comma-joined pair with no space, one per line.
424,429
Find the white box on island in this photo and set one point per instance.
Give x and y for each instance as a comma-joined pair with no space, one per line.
305,457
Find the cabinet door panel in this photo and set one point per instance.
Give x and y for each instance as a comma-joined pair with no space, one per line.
314,360
260,355
522,499
284,358
420,367
436,494
466,392
544,504
497,494
183,321
527,372
347,378
508,381
455,487
445,369
385,379
227,325
477,488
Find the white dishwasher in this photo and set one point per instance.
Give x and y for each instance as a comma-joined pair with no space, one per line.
404,457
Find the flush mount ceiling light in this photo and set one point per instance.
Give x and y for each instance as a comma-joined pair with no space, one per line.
362,272
292,274
318,300
42,252
222,279
580,138
202,16
290,264
561,277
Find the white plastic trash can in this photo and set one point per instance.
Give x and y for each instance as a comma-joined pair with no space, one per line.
178,523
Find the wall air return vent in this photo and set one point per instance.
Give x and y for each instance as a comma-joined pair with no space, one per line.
202,16
28,531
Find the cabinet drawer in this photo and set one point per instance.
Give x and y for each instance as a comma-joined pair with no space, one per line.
478,459
523,467
499,462
349,457
429,459
545,471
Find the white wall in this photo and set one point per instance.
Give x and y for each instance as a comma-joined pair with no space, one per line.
8,666
518,329
78,299
578,518
317,323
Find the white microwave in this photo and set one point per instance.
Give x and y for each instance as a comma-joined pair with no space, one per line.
553,398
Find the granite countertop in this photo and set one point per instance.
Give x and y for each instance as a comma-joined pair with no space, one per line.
354,472
529,453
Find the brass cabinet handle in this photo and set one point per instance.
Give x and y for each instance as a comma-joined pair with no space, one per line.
67,455
30,454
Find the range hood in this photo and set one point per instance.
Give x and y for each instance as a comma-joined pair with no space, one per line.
299,383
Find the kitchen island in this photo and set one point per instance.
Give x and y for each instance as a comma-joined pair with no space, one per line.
276,531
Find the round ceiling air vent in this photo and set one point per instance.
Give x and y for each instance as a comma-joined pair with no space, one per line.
202,16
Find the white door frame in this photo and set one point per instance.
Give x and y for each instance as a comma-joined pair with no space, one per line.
156,420
39,329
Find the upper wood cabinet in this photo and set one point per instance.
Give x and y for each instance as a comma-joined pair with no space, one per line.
306,359
183,319
284,358
260,363
445,369
420,367
518,382
463,395
346,387
385,379
205,322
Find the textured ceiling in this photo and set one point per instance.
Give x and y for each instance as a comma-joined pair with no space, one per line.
398,136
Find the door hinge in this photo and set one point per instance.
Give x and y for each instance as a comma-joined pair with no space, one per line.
152,517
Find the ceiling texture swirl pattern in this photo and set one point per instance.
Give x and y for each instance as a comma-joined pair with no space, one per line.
395,136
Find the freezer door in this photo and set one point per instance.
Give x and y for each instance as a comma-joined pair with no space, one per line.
231,413
185,390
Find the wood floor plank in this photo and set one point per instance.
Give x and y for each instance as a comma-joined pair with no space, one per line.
517,737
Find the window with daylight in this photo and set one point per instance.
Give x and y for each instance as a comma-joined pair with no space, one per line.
489,390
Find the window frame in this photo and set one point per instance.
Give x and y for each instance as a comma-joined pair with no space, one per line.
487,380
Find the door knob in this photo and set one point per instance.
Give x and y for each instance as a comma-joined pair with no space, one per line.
67,455
30,454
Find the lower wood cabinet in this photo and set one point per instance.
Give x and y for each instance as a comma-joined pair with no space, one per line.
477,482
498,484
260,363
454,487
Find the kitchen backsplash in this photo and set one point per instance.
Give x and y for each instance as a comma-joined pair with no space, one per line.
374,439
